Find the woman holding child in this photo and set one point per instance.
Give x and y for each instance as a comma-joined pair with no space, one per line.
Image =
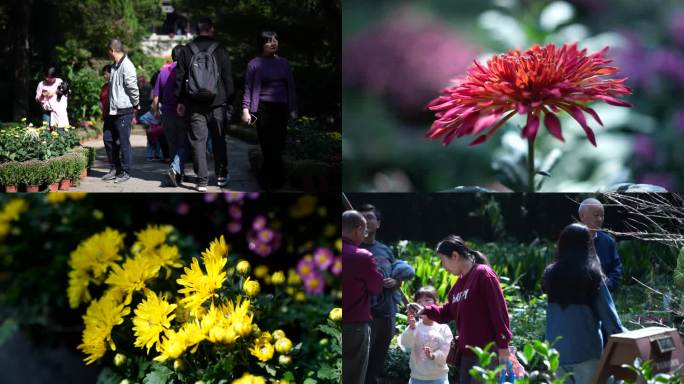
476,303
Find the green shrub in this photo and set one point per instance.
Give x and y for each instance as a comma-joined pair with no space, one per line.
308,139
9,173
33,172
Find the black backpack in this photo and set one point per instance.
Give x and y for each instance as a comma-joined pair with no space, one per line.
203,74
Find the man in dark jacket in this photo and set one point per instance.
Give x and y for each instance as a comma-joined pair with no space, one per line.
360,282
591,214
209,116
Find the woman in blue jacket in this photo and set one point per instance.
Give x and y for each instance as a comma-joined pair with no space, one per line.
579,304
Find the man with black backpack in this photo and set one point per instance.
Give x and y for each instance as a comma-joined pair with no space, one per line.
204,88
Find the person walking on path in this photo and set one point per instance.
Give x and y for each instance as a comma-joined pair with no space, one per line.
47,90
360,281
269,96
173,126
204,88
124,99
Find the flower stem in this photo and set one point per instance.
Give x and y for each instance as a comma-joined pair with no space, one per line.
530,165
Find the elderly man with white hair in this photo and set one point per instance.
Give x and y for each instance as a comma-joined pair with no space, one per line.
591,214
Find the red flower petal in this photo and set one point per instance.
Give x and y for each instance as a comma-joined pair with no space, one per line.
532,126
553,125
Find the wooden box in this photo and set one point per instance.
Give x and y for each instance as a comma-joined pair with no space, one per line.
661,345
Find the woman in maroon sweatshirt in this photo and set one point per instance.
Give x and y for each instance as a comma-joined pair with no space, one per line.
476,303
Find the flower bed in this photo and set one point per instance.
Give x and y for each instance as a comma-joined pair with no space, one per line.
272,263
36,157
43,173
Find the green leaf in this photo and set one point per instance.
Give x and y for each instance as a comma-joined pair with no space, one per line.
310,381
159,375
108,376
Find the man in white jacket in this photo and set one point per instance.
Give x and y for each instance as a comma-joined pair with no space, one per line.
124,100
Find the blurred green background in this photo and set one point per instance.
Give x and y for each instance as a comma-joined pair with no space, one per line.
398,55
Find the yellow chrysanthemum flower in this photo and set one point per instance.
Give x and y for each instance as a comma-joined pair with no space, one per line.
335,314
218,250
198,286
132,276
90,261
98,252
278,334
262,351
338,245
242,267
249,379
172,346
251,287
175,343
278,278
78,292
284,360
102,315
151,237
166,256
283,345
152,316
293,278
261,271
13,210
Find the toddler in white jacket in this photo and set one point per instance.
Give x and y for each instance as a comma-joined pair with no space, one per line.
428,343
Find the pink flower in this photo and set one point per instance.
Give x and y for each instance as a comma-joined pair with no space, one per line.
234,227
259,223
183,209
337,266
314,284
234,197
305,267
539,81
235,211
405,57
323,258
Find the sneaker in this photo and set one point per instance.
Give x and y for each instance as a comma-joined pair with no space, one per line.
111,175
201,188
173,177
122,177
223,181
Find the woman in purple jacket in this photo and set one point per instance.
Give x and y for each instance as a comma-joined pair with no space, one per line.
269,98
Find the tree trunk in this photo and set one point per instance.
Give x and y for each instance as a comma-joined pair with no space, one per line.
22,59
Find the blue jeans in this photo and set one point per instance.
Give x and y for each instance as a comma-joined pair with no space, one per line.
177,136
117,140
46,117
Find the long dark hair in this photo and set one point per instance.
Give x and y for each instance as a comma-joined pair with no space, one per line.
575,276
453,243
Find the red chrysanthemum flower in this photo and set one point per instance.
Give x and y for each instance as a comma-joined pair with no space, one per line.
541,80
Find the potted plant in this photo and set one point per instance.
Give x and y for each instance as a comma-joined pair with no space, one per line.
33,174
53,174
9,176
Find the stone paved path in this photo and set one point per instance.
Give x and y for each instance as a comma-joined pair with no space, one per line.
149,176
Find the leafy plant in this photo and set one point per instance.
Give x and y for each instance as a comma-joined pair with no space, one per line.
537,354
644,374
9,173
308,139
